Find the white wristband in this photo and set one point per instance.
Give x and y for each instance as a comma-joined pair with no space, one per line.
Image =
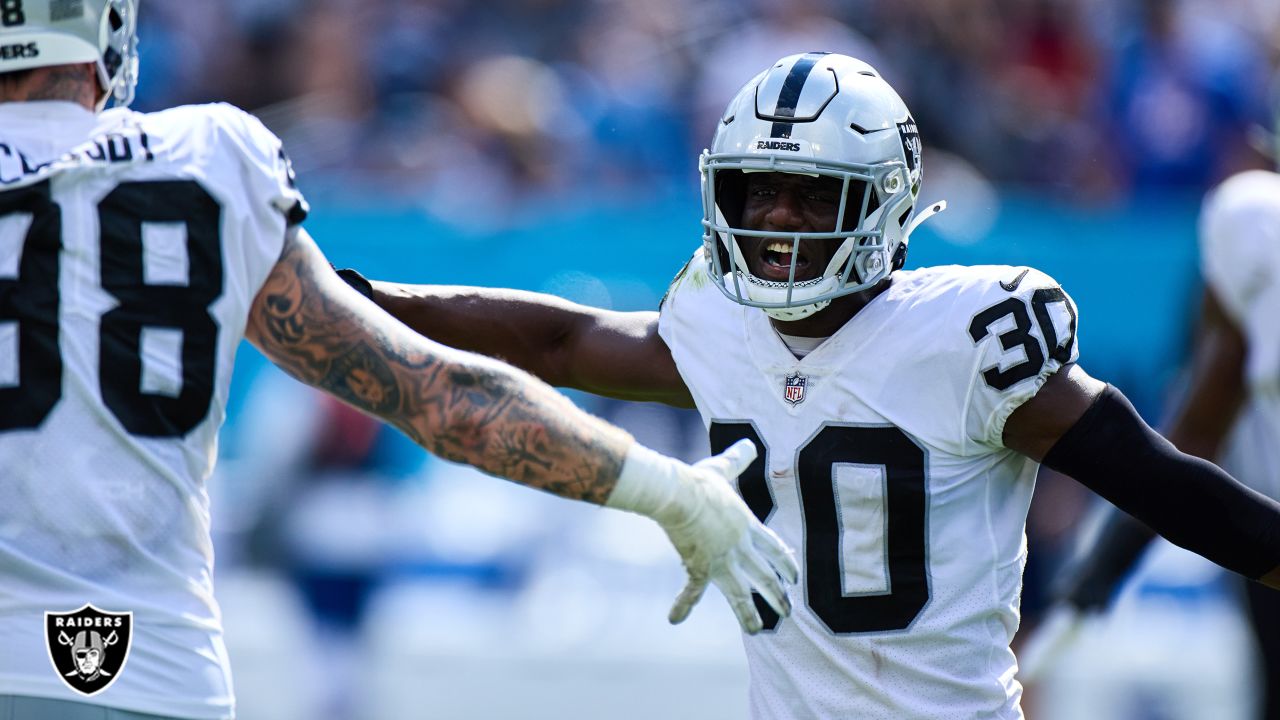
650,484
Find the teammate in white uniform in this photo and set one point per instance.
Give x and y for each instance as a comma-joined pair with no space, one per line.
1240,261
136,251
899,415
1231,409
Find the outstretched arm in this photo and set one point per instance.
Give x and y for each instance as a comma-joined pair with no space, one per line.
459,406
1214,396
1089,431
474,410
615,354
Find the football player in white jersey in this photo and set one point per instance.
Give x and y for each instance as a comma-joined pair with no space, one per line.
136,251
1231,407
899,415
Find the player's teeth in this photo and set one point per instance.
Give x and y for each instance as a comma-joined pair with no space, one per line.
779,247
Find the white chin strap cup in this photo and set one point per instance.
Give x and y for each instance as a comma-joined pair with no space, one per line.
792,314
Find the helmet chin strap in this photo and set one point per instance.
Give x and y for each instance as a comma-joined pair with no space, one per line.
925,214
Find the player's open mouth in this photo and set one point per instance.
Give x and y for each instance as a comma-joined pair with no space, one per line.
777,258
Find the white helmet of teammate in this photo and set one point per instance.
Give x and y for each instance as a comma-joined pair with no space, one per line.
816,114
39,33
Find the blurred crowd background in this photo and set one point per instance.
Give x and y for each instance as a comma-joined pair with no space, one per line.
552,145
545,100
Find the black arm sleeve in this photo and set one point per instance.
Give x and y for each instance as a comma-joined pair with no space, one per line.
1189,501
1090,580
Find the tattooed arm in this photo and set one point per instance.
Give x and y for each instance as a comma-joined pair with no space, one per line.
457,405
474,410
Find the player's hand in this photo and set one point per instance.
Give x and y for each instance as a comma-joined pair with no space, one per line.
720,541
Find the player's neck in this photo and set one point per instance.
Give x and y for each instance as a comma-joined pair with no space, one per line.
826,322
70,83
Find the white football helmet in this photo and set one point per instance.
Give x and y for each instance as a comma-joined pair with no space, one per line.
817,114
39,33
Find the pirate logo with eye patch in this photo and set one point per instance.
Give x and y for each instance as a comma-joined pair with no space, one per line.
88,647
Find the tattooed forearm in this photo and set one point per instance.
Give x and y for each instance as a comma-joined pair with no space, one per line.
459,406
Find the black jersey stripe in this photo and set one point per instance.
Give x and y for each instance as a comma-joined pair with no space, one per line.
790,95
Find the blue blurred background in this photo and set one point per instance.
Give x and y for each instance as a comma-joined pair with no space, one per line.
551,145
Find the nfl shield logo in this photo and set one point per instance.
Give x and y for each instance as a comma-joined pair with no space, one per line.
793,392
88,647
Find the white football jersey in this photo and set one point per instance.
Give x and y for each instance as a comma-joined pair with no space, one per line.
1240,261
881,462
131,248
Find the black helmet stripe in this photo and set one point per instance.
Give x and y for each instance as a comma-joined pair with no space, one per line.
790,95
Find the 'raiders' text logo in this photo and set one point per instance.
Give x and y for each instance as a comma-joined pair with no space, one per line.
88,647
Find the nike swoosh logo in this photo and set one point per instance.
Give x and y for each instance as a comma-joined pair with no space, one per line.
1011,286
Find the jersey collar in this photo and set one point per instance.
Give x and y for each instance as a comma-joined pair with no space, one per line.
771,353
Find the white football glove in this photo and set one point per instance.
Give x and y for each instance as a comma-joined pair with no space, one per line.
717,536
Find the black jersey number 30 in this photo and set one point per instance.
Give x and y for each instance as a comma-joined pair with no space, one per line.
1020,335
32,298
905,542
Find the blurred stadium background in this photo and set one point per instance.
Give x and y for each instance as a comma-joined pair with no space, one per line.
551,145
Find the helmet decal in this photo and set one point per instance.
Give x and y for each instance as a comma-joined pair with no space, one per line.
911,147
789,97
